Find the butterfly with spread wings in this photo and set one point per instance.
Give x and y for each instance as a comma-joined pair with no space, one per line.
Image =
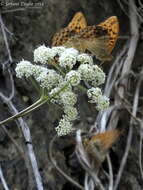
99,39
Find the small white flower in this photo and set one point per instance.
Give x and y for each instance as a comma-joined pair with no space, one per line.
84,58
48,79
71,51
58,50
99,76
94,94
37,70
87,72
57,92
73,77
68,98
71,113
102,103
64,127
67,60
43,54
55,95
65,86
24,69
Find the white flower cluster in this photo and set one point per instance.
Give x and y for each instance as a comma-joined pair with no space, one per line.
103,103
71,113
68,98
38,70
84,58
24,69
44,55
87,72
58,50
68,58
49,79
59,83
57,92
92,73
64,127
99,76
95,96
73,77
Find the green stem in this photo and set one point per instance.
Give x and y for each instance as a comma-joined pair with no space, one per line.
58,68
34,106
32,109
82,88
23,112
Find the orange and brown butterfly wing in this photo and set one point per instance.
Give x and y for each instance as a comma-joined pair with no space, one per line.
98,145
62,36
78,22
106,139
74,27
112,27
103,37
98,39
93,39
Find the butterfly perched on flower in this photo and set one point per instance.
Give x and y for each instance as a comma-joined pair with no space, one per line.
99,39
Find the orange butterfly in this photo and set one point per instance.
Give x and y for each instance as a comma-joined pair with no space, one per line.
98,39
98,145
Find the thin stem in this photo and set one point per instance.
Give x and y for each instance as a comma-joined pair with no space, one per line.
23,112
58,68
110,173
140,154
3,180
82,88
34,106
5,39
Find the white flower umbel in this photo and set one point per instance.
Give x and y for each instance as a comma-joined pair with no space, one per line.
73,77
64,127
84,58
86,71
99,76
71,113
58,86
49,79
102,103
58,50
24,69
94,94
37,70
43,54
68,98
68,58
